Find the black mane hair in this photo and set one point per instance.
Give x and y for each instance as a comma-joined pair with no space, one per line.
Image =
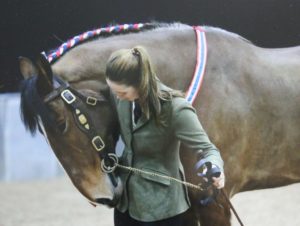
32,107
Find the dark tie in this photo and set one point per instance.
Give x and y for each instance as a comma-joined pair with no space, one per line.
137,112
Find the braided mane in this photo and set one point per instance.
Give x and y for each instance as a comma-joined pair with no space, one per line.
99,32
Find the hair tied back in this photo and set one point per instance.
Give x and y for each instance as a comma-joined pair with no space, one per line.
135,52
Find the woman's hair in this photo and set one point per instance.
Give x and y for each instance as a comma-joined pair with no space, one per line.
133,67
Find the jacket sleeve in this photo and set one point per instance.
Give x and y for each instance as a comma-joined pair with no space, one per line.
188,129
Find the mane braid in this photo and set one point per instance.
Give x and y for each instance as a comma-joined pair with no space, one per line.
32,107
99,32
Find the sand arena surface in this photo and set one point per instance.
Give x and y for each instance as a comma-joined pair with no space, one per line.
57,203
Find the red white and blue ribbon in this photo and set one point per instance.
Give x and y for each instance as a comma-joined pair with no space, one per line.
196,83
89,35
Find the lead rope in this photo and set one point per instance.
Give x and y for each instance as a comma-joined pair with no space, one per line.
109,169
115,163
231,207
190,185
139,171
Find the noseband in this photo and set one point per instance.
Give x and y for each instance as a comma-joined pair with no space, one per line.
77,103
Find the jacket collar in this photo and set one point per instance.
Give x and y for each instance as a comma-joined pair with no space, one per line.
141,122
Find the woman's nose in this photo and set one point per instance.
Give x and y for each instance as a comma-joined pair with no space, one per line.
121,96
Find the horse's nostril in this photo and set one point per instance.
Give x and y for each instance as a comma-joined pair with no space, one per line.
107,202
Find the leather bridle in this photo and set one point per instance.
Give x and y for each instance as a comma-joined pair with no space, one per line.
76,102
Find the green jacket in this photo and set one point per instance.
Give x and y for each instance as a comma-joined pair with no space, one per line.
155,149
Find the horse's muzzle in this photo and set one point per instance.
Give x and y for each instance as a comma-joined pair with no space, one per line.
107,202
117,191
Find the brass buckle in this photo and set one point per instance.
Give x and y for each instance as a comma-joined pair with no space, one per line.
68,96
98,143
91,101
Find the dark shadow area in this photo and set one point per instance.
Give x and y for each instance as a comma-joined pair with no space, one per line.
29,27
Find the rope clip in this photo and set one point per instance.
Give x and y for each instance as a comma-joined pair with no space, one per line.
112,161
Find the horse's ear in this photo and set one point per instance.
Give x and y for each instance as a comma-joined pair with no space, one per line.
27,68
44,68
45,75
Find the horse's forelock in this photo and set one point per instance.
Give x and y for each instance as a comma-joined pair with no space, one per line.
32,106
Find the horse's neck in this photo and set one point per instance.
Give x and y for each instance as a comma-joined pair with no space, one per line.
173,53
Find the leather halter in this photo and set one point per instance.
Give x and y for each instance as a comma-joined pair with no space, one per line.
76,102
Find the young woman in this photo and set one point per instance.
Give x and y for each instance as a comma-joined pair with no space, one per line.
154,121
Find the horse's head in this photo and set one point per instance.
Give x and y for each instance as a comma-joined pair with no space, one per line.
80,125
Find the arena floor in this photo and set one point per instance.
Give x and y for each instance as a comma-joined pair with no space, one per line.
57,203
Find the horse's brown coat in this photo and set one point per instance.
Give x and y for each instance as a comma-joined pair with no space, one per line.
248,104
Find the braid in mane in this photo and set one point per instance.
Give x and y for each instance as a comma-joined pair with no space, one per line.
99,32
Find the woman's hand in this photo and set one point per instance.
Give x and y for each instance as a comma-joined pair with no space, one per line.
211,173
219,182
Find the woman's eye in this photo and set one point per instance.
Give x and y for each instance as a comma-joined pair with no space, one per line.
121,93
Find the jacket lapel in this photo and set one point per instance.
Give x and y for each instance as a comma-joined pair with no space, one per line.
125,111
141,122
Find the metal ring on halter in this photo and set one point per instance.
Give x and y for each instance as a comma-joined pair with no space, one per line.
109,169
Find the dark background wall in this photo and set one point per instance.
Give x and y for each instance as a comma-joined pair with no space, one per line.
30,26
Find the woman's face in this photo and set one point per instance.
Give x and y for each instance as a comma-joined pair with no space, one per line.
122,91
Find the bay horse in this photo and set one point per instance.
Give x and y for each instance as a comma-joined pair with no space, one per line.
248,105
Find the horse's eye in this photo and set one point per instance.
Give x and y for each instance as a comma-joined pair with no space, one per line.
62,126
57,111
